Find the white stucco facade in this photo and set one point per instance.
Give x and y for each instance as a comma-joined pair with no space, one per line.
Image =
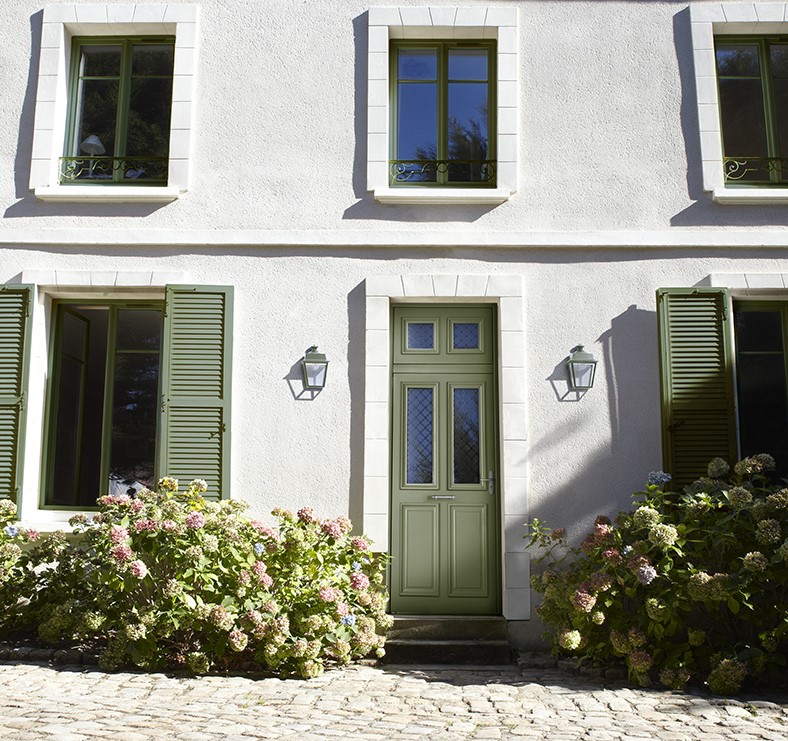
608,190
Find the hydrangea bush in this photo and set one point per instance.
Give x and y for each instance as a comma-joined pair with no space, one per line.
15,573
689,585
168,579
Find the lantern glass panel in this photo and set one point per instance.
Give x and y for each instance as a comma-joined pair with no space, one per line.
315,374
583,375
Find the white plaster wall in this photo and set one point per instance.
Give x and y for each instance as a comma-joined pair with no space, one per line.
608,130
584,458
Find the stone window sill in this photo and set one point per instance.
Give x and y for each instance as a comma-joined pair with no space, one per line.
449,196
107,194
751,196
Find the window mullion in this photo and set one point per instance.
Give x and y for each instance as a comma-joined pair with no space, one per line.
122,124
772,145
109,392
443,113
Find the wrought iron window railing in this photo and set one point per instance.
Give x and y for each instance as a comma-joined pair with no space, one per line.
109,170
761,170
446,173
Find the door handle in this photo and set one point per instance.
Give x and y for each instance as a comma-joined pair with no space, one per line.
442,496
490,482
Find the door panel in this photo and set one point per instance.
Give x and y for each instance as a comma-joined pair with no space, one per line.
445,515
419,564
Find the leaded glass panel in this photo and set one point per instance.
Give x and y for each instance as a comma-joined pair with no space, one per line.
421,336
465,336
466,435
419,436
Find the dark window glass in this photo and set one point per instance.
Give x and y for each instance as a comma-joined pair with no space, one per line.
761,385
79,433
743,124
417,122
740,60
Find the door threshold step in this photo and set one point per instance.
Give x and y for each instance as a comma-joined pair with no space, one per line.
482,652
451,628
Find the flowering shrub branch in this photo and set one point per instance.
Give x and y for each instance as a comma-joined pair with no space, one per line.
168,579
689,584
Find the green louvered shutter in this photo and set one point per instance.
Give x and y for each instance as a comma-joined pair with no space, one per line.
195,429
698,415
14,353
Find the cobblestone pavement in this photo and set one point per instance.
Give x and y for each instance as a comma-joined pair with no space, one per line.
74,703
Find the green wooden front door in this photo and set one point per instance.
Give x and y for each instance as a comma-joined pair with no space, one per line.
445,511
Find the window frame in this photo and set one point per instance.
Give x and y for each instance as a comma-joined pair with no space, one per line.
60,24
443,46
429,23
70,143
707,21
52,393
774,179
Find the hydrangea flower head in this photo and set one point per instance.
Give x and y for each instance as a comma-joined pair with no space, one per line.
138,569
360,544
718,468
259,549
200,485
195,520
658,478
307,515
349,620
646,575
663,535
359,581
11,530
122,553
332,528
569,639
118,534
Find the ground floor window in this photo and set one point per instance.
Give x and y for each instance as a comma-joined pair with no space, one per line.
724,381
103,401
762,389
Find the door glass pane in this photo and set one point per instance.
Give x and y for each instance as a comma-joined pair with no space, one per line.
419,436
135,399
466,436
466,336
421,336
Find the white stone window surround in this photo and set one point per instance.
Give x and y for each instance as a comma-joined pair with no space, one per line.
424,22
60,24
67,284
714,19
505,291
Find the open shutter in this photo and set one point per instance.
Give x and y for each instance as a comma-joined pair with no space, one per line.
195,425
698,415
14,354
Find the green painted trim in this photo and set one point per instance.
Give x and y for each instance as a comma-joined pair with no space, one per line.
723,320
21,400
443,47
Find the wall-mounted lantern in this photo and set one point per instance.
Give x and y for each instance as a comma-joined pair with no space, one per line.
582,368
315,367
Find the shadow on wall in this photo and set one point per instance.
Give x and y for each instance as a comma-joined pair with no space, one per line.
356,312
630,363
28,205
704,211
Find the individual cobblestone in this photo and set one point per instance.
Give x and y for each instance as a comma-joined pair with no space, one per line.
79,703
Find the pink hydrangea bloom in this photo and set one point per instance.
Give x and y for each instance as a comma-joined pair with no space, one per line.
329,594
122,553
32,534
138,569
360,544
583,601
136,506
169,526
613,555
118,534
342,608
143,525
259,568
344,523
261,527
195,520
266,581
359,580
307,515
332,528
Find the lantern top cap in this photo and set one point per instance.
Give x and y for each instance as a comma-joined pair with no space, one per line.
578,355
312,356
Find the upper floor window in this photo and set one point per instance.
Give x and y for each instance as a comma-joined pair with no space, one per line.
443,96
118,130
752,74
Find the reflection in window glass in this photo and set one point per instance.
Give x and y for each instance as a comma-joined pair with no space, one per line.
466,436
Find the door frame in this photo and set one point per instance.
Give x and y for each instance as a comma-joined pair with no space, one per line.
505,292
